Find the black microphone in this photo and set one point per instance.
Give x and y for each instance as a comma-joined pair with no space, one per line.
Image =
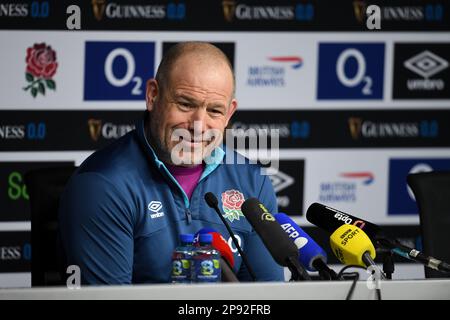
212,202
282,249
330,219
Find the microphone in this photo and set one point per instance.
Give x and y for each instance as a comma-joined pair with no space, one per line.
352,246
282,249
415,255
311,255
213,203
226,256
330,219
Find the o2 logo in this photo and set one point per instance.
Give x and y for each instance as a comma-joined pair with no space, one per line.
360,77
117,70
351,71
130,67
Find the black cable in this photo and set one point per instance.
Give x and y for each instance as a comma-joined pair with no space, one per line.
378,291
340,273
352,288
355,276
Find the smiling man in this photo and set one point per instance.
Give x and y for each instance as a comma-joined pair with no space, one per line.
192,98
123,210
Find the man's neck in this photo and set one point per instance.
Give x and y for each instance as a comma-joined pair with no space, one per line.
152,141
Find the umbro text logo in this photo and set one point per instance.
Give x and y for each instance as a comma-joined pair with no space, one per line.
155,206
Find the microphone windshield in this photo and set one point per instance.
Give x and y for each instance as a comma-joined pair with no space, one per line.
211,200
270,232
330,219
349,243
308,249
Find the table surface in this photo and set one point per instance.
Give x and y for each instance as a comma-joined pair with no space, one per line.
429,289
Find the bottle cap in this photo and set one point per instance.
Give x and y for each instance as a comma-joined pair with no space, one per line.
187,238
205,238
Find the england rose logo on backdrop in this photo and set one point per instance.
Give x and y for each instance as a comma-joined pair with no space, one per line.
41,67
232,201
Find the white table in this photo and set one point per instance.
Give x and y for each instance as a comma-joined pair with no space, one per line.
312,290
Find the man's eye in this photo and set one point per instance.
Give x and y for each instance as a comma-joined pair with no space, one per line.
216,111
185,104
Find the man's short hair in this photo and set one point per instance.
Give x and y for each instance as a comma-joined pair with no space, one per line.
182,48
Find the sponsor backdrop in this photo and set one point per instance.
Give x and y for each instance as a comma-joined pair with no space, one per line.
357,109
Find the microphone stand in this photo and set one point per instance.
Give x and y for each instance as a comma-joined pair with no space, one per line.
297,271
325,273
367,259
388,263
213,203
412,254
388,259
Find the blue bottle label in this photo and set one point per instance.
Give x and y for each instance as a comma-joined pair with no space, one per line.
206,268
181,268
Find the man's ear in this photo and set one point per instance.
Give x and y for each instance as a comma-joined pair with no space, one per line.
151,93
231,110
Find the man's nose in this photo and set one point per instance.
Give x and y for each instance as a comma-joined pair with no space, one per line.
198,120
199,114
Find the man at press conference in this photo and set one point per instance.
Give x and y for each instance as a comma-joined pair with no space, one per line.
123,210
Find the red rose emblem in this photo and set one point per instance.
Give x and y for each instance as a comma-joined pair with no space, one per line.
41,67
41,61
232,199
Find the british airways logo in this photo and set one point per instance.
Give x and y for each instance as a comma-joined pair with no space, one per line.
346,188
366,177
295,61
274,73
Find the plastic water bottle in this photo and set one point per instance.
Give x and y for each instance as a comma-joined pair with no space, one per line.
182,260
206,261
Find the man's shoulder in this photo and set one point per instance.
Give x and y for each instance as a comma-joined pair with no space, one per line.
118,159
235,161
241,172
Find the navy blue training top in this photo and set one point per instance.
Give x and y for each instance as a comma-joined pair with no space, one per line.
122,212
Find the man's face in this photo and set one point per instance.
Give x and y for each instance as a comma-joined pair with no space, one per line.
189,116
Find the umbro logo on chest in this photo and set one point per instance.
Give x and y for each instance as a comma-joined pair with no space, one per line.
155,208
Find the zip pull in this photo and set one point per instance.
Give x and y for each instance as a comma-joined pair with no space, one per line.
188,216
